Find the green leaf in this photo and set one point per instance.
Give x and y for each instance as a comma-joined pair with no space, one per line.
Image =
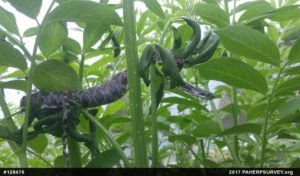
249,43
195,39
285,13
11,57
59,162
85,11
293,71
296,163
249,5
290,107
8,21
59,77
52,37
184,101
254,11
15,84
30,8
155,7
92,33
169,67
108,159
258,110
39,143
288,87
183,137
295,51
293,118
206,51
30,32
244,128
213,14
144,64
72,45
234,73
206,128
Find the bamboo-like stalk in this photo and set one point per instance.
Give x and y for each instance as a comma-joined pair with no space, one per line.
153,86
74,153
140,152
23,162
235,146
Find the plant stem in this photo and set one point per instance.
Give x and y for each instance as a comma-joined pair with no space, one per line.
74,153
108,135
235,146
6,112
23,163
41,158
235,120
202,147
81,67
153,117
10,123
227,141
268,114
134,85
73,146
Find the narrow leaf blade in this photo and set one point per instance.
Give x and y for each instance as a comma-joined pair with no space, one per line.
249,43
234,73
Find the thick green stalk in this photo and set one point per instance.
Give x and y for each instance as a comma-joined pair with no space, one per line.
134,85
268,114
153,86
81,67
235,120
235,146
23,162
74,153
114,143
73,146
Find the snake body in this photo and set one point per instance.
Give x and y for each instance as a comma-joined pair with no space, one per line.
101,94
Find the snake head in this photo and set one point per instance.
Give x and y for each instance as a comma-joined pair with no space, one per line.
36,100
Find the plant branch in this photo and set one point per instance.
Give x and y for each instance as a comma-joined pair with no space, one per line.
134,84
268,114
108,135
153,117
28,92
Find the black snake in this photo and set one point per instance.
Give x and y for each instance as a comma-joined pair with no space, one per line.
98,95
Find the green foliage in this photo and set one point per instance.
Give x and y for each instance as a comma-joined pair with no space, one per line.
108,159
30,8
213,14
245,53
85,12
8,21
11,57
249,43
155,7
52,37
60,77
235,73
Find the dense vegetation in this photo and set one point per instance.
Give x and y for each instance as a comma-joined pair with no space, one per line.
246,53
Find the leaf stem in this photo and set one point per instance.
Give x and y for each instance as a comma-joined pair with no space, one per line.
268,114
108,135
139,139
23,163
153,117
235,147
